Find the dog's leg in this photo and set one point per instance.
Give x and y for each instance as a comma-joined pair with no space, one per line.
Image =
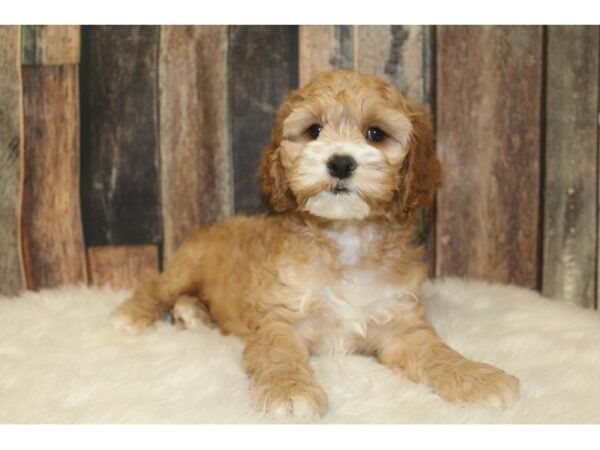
154,298
410,343
277,361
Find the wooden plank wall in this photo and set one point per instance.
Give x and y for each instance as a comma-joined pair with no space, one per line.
117,141
257,85
196,175
489,104
120,191
571,178
11,159
52,237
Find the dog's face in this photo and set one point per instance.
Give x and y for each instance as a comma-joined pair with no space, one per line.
350,146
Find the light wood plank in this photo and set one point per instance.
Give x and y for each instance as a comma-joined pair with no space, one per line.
196,161
122,267
570,191
51,44
52,234
11,160
398,54
323,48
489,85
120,189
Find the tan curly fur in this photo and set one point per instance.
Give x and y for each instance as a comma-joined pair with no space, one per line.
335,270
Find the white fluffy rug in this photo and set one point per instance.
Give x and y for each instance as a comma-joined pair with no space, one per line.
61,362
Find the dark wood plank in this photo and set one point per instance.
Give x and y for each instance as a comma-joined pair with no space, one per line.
53,247
571,169
122,267
489,85
51,44
323,48
196,162
11,159
120,191
263,67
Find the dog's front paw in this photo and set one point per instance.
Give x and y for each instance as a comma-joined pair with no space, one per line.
296,398
475,382
131,320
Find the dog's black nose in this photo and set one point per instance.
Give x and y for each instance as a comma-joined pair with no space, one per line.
341,166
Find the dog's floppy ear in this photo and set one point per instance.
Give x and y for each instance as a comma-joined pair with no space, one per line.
421,173
274,182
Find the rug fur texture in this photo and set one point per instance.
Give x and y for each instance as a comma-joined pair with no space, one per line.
61,362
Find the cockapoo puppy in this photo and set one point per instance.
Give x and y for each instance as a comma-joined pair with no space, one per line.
349,162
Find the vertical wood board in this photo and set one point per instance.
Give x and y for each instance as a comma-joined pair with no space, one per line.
120,189
398,54
489,85
263,68
570,230
11,159
323,48
196,162
53,247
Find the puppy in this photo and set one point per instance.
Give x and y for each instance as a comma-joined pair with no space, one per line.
349,162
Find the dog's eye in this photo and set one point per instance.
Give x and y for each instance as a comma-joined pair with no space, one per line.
314,131
375,134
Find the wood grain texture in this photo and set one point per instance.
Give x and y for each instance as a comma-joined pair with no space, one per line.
399,54
262,70
53,247
120,190
196,165
51,44
323,48
122,267
570,191
489,84
11,158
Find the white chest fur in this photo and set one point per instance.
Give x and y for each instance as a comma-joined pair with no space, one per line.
356,295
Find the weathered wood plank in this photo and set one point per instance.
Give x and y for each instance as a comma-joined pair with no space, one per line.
263,67
323,48
53,247
11,159
196,162
51,44
489,84
120,190
570,188
399,54
122,267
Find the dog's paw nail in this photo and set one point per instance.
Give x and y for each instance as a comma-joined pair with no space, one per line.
303,401
507,392
299,409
